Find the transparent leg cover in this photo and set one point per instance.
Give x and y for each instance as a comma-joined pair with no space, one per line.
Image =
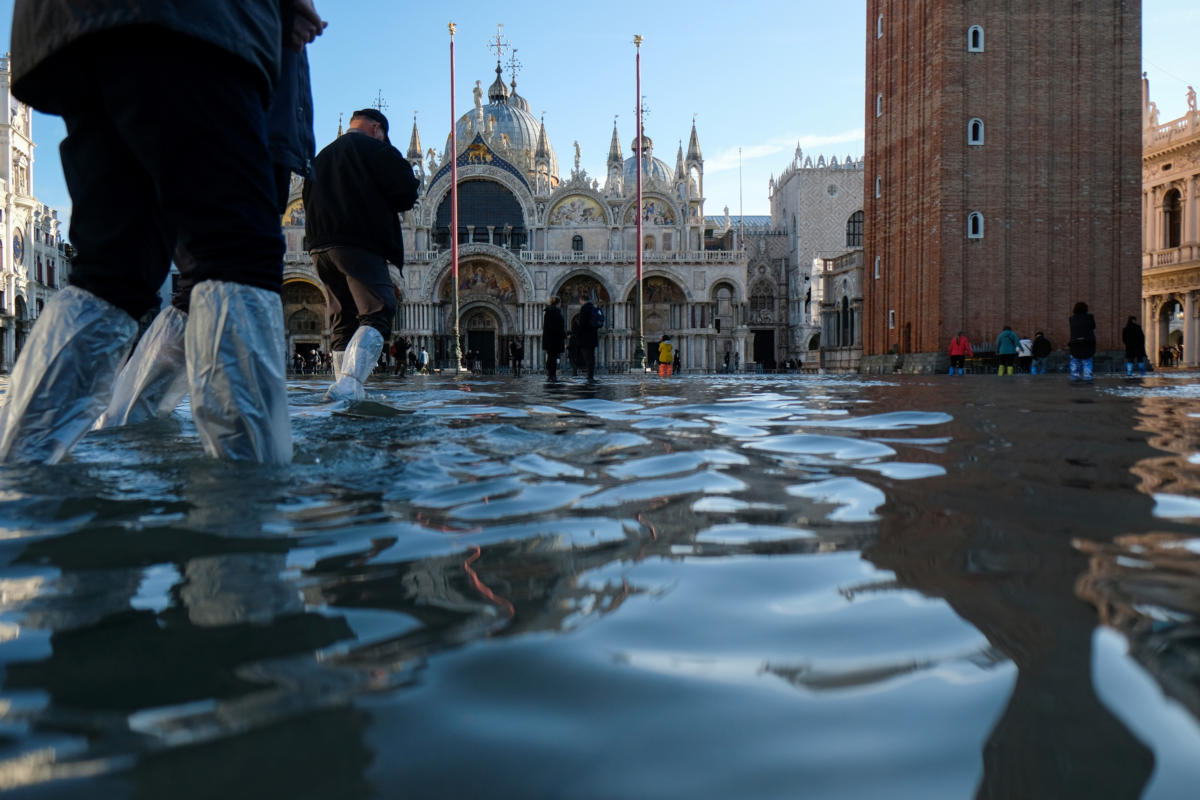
338,357
154,379
235,364
362,354
64,377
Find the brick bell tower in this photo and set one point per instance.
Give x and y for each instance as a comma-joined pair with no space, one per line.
1002,179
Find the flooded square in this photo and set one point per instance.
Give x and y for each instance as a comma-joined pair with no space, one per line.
705,586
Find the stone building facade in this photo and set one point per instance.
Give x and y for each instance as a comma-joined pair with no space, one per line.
1171,216
841,311
819,208
34,259
528,231
1002,179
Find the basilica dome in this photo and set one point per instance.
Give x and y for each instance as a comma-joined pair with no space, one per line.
652,168
513,126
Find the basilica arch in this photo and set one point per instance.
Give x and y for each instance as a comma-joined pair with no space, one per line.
440,191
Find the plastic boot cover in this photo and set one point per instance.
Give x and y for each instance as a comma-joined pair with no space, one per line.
362,354
64,377
338,356
154,379
235,366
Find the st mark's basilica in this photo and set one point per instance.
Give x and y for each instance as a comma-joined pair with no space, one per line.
528,233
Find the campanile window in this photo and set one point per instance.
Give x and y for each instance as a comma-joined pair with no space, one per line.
975,39
975,225
975,131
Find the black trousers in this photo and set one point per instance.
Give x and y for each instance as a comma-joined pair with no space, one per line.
359,291
166,146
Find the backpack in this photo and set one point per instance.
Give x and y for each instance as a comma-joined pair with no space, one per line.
596,317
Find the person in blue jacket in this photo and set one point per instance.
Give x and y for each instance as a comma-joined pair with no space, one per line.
1007,345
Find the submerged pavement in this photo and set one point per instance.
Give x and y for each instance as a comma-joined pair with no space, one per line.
705,586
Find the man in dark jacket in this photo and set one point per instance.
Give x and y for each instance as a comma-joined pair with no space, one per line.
165,109
352,201
589,335
1134,340
553,334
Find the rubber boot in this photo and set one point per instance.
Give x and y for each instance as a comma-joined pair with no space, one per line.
1009,370
154,379
1000,370
64,378
235,366
362,354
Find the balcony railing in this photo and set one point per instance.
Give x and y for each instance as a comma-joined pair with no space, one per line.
573,257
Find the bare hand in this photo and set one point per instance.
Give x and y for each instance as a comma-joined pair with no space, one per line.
306,26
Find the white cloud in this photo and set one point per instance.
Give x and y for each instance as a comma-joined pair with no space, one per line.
728,158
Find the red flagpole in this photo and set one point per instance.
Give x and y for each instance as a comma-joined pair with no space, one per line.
640,354
454,203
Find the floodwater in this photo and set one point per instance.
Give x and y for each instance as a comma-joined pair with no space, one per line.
699,587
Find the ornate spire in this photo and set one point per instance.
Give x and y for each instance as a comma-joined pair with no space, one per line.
543,150
693,151
414,143
339,123
680,169
614,149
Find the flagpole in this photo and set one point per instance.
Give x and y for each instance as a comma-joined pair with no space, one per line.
639,355
454,205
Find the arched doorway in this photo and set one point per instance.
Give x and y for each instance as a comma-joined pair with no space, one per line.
582,286
665,307
1170,334
304,312
482,332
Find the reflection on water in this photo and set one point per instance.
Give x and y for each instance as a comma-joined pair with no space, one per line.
717,587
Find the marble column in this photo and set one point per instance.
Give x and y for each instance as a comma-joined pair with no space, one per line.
1189,330
1190,216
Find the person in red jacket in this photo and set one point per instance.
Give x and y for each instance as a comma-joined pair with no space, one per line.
960,348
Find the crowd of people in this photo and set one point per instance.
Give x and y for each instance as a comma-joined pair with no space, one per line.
1015,353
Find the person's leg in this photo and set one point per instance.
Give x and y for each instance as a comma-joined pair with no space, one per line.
365,278
1076,368
589,358
1087,369
206,152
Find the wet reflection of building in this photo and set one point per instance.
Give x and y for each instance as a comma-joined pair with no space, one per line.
993,539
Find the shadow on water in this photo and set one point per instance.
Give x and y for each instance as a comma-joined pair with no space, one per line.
726,587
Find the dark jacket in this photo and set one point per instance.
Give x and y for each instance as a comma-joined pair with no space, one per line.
249,29
553,330
1041,347
589,337
353,198
1083,336
1135,342
290,115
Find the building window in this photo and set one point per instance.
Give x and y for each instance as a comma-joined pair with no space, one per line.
892,320
1173,211
876,267
879,104
878,186
975,39
577,243
975,225
879,27
975,131
648,243
854,230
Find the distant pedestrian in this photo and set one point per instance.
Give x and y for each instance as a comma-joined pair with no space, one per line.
1041,351
553,336
1135,347
676,362
1007,344
1082,345
1025,355
423,361
591,320
516,354
960,349
728,355
666,356
402,351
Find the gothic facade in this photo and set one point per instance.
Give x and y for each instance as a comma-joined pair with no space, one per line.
819,208
529,231
1171,235
34,259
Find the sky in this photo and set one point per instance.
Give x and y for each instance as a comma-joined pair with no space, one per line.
759,77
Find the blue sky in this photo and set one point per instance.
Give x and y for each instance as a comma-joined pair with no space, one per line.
760,75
